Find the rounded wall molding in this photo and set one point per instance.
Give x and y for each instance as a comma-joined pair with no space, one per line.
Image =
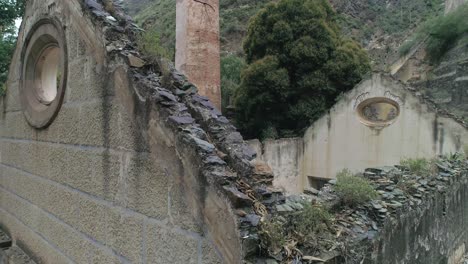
378,112
44,71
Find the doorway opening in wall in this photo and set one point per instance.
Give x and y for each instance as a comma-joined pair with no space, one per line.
317,182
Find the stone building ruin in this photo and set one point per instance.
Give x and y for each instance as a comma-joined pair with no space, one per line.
106,158
354,136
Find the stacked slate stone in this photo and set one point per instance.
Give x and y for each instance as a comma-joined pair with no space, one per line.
226,160
399,190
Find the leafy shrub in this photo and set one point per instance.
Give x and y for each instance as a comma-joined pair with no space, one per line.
312,219
149,44
231,67
354,190
10,10
421,167
444,31
272,235
159,16
298,63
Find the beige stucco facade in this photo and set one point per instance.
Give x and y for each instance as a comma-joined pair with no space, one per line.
285,157
340,140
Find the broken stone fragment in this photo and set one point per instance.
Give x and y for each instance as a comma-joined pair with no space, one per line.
135,62
92,4
241,213
221,154
214,160
262,173
310,190
204,145
261,168
182,120
5,240
284,208
111,20
237,198
252,219
167,95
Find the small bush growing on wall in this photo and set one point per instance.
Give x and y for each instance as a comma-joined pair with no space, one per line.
354,190
272,235
421,167
312,219
149,43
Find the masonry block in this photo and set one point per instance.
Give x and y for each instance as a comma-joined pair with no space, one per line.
42,251
94,171
146,186
170,246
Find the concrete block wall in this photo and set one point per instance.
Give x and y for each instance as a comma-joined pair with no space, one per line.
285,157
88,189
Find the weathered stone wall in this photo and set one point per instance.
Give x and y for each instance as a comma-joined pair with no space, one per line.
111,180
285,157
447,83
434,233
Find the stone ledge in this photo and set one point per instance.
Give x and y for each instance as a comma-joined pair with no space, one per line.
15,255
12,254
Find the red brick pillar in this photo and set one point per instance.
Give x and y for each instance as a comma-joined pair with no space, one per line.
197,46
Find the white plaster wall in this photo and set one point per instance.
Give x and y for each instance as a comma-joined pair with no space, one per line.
284,156
339,140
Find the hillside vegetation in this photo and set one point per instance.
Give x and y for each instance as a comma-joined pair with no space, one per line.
441,33
375,24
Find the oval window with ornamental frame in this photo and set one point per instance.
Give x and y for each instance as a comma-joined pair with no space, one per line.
378,112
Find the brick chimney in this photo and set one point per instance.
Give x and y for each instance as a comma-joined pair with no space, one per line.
197,46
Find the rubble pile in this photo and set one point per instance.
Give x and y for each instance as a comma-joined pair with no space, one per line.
400,191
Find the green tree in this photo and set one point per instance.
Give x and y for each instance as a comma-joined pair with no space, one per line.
298,63
231,67
9,10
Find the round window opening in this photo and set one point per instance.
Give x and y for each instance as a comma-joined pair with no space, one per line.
44,72
47,74
378,112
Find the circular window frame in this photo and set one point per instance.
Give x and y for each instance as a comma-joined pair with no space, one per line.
377,124
47,33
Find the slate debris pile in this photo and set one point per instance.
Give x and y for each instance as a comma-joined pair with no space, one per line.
400,191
